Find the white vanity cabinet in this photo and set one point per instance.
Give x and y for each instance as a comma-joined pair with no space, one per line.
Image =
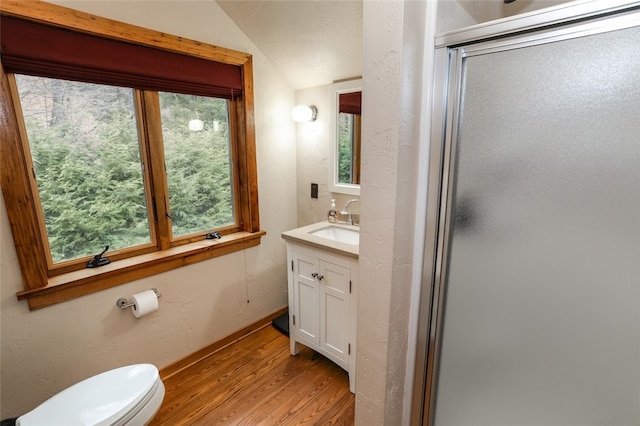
322,304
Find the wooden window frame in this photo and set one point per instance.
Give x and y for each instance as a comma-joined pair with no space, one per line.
45,286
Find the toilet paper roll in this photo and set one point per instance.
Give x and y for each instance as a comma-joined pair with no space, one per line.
144,303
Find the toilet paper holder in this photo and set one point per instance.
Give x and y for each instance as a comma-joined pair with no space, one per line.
123,303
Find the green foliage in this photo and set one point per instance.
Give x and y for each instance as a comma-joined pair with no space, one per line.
84,146
198,163
345,148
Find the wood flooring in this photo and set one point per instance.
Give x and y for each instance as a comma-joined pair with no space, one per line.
256,381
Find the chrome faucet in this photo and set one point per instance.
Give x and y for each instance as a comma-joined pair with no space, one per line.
345,210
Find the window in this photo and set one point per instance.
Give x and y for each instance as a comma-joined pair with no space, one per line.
349,137
195,131
85,154
145,164
345,147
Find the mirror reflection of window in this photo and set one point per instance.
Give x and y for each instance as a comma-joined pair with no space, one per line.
349,131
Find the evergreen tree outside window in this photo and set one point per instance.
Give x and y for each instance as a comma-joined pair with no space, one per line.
345,147
198,162
90,157
85,151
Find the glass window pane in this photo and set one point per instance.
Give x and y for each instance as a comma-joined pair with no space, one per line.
345,148
86,156
195,132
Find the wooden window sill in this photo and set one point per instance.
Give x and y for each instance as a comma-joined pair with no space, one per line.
79,283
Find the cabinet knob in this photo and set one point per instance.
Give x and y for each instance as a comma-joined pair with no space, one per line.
317,275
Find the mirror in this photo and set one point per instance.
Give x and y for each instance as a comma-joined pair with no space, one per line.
346,99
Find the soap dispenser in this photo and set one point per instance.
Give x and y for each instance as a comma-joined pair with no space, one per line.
332,216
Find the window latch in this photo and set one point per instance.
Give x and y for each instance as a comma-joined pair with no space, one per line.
213,236
98,260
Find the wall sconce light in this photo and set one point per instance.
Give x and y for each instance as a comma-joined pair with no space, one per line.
196,125
303,113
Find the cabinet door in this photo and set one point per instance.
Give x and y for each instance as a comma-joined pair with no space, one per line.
306,297
334,308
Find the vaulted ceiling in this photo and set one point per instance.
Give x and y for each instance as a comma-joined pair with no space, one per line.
312,42
315,42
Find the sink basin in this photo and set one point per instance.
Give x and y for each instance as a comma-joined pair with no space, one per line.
339,234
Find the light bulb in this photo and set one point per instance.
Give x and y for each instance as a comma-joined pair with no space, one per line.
196,125
303,113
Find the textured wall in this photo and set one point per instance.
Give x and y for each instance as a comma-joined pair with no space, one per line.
381,121
311,42
396,118
313,157
452,16
47,350
484,11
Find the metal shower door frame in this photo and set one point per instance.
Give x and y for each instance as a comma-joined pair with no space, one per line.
559,23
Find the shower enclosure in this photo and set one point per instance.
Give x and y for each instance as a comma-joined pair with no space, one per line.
531,295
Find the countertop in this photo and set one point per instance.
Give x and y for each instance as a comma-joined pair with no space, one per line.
302,236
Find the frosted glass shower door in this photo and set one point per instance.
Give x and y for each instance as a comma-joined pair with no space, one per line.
541,283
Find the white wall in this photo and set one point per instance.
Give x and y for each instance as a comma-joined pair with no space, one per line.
398,65
381,112
452,16
314,157
313,141
47,350
484,11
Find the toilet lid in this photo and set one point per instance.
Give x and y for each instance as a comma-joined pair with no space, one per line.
98,400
